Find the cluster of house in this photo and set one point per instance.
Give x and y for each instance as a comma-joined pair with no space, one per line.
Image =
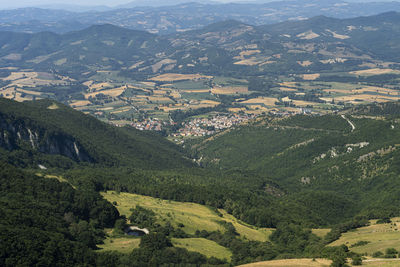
211,125
150,125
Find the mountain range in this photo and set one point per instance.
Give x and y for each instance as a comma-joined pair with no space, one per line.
169,19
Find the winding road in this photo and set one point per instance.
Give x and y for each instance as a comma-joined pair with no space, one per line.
353,127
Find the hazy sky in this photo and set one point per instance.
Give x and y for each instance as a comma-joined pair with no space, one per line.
24,3
20,3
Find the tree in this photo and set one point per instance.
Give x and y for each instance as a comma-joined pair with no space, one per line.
155,242
339,259
356,260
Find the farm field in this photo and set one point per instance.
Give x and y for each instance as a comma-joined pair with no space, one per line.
379,236
290,263
192,216
322,263
203,246
120,244
123,100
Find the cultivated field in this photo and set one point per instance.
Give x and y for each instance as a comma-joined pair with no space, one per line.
171,77
120,244
268,101
192,216
375,71
380,236
291,263
203,246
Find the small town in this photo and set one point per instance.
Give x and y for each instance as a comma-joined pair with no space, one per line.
208,126
195,127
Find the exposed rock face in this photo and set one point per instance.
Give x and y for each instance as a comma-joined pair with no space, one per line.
17,134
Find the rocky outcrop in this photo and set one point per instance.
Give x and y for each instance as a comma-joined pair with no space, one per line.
21,134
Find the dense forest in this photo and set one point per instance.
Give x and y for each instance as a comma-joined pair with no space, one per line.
269,173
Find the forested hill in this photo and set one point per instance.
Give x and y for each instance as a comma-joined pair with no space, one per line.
320,157
48,223
31,132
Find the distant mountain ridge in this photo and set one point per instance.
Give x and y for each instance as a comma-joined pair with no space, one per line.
212,49
184,16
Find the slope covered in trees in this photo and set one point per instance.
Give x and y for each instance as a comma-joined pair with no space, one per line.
34,130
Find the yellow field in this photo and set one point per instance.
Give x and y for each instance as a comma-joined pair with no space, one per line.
381,262
53,106
370,89
12,93
380,236
362,97
203,246
249,53
288,84
235,110
122,244
192,216
110,92
79,103
160,99
32,79
290,263
322,262
374,71
268,101
197,91
99,86
229,90
286,89
29,92
305,63
311,77
205,104
248,231
171,77
307,35
300,103
151,84
248,62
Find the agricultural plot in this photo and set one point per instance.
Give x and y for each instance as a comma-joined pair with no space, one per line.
378,237
374,71
171,77
192,216
203,246
291,263
120,244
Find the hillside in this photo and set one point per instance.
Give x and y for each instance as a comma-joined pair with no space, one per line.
43,128
318,157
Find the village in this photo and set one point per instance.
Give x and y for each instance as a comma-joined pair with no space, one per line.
208,126
195,127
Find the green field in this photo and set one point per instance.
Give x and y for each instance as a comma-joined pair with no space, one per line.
203,246
120,244
380,236
322,263
192,216
321,232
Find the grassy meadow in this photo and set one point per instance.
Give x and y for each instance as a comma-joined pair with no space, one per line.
203,246
379,236
192,216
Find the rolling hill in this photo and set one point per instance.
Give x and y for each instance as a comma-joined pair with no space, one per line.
169,18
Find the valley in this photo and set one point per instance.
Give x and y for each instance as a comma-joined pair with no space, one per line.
241,135
227,69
